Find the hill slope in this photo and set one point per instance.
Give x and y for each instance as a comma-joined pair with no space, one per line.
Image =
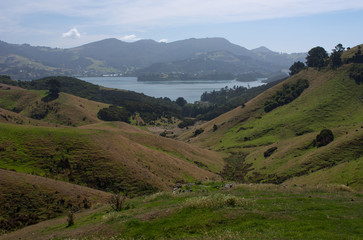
278,146
253,211
112,156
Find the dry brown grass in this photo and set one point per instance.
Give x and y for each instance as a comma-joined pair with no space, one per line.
67,189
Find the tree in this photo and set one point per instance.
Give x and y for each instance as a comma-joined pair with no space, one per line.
117,201
324,137
296,67
181,101
336,56
317,57
53,88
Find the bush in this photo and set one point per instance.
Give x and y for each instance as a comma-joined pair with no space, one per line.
269,152
324,138
356,73
186,123
117,201
114,113
198,131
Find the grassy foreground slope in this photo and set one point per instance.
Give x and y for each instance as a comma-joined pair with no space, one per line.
254,211
333,100
27,199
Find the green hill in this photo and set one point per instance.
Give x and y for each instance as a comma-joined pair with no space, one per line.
278,146
292,184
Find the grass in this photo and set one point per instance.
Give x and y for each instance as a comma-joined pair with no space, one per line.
255,211
332,101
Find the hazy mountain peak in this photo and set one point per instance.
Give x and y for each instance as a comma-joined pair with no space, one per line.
262,49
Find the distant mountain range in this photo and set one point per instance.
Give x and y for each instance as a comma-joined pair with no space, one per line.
112,56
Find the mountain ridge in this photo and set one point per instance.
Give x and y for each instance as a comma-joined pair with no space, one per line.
116,56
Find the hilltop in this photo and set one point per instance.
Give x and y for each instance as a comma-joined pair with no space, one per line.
107,56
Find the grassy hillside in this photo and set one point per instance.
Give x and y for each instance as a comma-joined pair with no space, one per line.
28,199
243,212
333,100
66,110
63,139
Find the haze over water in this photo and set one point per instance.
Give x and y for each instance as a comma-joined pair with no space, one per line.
190,90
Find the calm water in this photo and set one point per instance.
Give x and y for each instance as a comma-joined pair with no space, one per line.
189,90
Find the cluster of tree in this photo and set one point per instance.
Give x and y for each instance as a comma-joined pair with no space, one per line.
288,93
220,97
186,122
356,73
114,113
318,58
358,56
222,101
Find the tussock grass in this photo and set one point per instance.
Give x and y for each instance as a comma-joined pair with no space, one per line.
216,201
159,196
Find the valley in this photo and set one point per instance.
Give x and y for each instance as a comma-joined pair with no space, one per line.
248,164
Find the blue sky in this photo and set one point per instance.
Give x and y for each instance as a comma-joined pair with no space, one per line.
280,25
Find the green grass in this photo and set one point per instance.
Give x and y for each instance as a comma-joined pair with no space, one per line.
336,105
246,212
66,154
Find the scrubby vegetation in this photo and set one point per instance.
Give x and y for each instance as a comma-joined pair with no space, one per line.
356,73
288,93
114,113
325,137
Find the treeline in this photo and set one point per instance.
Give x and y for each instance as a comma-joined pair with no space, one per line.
216,103
184,76
149,108
127,103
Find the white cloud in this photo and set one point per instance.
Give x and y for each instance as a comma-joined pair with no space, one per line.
164,40
73,33
130,38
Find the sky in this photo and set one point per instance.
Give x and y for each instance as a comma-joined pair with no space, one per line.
280,25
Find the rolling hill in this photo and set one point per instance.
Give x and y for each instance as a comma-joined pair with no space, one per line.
278,146
256,172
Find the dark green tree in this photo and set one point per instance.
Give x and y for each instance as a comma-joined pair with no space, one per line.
181,101
336,56
317,57
53,88
324,137
296,67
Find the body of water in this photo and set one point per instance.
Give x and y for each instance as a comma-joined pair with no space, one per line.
190,90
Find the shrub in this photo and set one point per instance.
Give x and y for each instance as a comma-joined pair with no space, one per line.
114,113
356,73
269,152
198,131
117,201
215,201
324,138
186,122
70,219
